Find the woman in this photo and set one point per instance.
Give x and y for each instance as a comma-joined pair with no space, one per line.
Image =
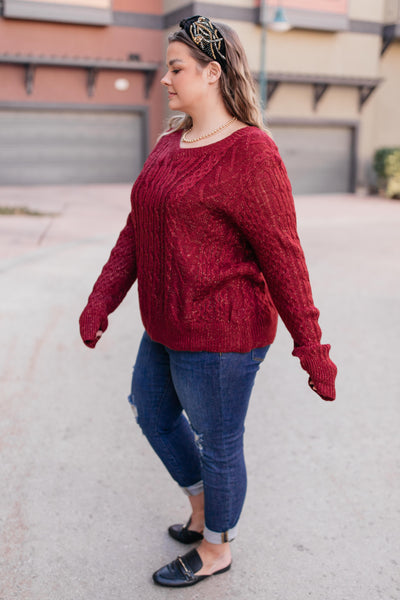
211,239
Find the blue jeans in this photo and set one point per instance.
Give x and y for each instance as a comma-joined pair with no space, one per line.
205,450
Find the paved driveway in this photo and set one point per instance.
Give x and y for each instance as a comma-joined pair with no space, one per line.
85,503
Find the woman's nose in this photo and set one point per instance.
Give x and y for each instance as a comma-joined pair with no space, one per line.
166,79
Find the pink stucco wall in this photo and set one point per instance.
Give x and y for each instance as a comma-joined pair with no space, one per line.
55,85
30,37
333,6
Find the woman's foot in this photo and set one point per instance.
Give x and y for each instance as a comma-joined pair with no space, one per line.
193,530
214,557
184,571
184,533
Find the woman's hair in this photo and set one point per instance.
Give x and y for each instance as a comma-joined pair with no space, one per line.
236,84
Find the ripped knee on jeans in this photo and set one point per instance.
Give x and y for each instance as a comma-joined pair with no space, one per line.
198,440
131,401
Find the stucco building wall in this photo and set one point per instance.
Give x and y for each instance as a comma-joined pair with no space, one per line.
324,47
81,41
334,41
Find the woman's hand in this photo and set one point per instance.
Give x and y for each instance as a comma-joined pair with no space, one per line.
93,322
321,370
315,389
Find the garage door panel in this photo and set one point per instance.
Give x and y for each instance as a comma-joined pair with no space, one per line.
317,158
39,147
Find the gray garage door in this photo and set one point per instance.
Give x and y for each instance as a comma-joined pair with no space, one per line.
66,147
317,158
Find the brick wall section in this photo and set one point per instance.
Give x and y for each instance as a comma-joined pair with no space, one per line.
57,85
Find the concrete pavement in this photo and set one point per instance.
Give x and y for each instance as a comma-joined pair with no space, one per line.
85,503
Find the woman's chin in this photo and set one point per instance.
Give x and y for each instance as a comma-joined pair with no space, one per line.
173,103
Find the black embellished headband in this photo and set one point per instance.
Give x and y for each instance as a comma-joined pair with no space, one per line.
206,37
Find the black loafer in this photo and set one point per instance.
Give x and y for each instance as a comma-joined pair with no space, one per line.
183,534
182,571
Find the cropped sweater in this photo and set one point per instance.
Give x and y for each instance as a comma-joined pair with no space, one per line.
212,241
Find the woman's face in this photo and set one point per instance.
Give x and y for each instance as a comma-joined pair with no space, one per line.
186,81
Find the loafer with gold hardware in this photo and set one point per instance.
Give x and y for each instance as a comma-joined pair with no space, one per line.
183,534
181,572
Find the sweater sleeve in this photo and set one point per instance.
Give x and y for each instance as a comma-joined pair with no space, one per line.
266,216
116,278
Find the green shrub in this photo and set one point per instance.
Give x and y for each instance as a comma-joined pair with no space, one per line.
393,187
387,168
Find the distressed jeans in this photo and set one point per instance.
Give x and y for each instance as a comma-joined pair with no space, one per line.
202,449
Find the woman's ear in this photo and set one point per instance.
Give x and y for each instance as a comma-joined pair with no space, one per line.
213,71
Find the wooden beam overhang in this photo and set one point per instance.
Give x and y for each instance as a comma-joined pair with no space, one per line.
322,83
29,78
364,92
319,91
92,67
92,73
390,33
272,86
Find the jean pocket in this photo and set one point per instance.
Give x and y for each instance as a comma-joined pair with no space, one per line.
258,354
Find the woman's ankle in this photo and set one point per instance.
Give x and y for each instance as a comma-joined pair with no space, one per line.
215,549
197,503
214,556
197,518
197,522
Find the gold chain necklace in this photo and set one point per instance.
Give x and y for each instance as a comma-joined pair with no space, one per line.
202,137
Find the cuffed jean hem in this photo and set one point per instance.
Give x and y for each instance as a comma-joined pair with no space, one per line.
194,490
220,538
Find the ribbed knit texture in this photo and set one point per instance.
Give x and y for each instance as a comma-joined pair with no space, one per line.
212,240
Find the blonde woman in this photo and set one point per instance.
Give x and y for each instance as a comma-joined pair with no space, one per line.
211,239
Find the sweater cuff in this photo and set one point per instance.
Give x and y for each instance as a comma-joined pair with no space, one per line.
92,319
322,371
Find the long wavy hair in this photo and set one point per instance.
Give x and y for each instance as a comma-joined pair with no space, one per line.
236,84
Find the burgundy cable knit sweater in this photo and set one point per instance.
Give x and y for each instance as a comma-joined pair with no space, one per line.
212,240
